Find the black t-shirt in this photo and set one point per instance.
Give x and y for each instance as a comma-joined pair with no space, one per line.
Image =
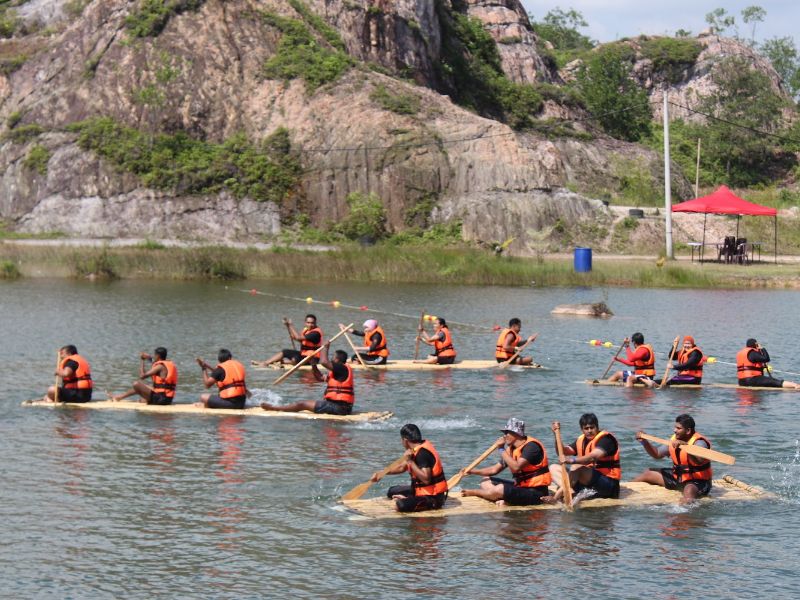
313,337
72,364
377,340
425,459
606,443
339,371
218,374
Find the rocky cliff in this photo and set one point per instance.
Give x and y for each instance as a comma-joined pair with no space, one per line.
202,75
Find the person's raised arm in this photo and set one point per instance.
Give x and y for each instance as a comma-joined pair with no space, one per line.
657,453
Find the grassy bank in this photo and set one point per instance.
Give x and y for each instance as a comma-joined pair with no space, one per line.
389,264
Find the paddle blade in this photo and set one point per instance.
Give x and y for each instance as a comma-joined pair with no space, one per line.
357,491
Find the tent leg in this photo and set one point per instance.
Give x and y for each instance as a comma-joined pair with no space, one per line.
775,227
703,246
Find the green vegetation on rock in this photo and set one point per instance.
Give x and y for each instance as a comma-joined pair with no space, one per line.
366,218
22,134
301,56
150,17
671,56
472,68
37,159
402,104
262,171
617,102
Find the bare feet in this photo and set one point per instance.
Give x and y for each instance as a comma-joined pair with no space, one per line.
548,500
266,406
200,404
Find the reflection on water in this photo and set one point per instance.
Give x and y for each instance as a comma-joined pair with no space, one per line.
73,430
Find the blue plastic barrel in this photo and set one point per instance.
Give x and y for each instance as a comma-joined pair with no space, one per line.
583,260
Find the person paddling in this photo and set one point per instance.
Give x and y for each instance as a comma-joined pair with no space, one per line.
595,458
230,378
642,359
526,458
340,395
442,342
509,340
310,339
751,362
428,489
689,474
375,350
690,364
165,379
76,377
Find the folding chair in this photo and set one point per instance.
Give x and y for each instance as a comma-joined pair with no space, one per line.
743,249
728,249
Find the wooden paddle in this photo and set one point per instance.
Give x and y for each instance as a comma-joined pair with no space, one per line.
362,488
356,352
608,368
699,451
307,358
289,331
504,364
58,365
456,479
565,483
669,363
421,320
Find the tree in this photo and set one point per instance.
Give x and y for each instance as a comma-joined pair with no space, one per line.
616,101
745,107
560,28
720,20
683,33
782,53
754,15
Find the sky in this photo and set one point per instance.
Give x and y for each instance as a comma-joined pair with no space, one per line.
610,20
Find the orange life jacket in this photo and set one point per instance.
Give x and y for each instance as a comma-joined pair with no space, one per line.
438,484
682,469
307,347
233,385
81,378
501,351
745,367
166,385
608,465
381,349
683,355
646,367
532,475
341,391
444,347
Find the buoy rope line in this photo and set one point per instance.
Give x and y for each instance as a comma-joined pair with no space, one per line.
362,308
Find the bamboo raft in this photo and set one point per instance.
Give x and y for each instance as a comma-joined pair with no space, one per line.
727,489
410,365
191,409
728,386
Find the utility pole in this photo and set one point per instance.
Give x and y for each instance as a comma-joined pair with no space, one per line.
667,186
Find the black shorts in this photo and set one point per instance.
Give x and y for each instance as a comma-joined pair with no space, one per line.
684,380
412,503
444,360
520,496
603,486
236,402
761,381
331,407
513,362
74,396
703,485
159,399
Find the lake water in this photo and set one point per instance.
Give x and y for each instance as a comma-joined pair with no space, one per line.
96,504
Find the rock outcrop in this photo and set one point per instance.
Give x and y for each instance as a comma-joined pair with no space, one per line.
207,67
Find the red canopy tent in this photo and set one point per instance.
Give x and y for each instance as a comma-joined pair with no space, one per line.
725,202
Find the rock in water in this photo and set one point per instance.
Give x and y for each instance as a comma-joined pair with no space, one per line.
597,309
